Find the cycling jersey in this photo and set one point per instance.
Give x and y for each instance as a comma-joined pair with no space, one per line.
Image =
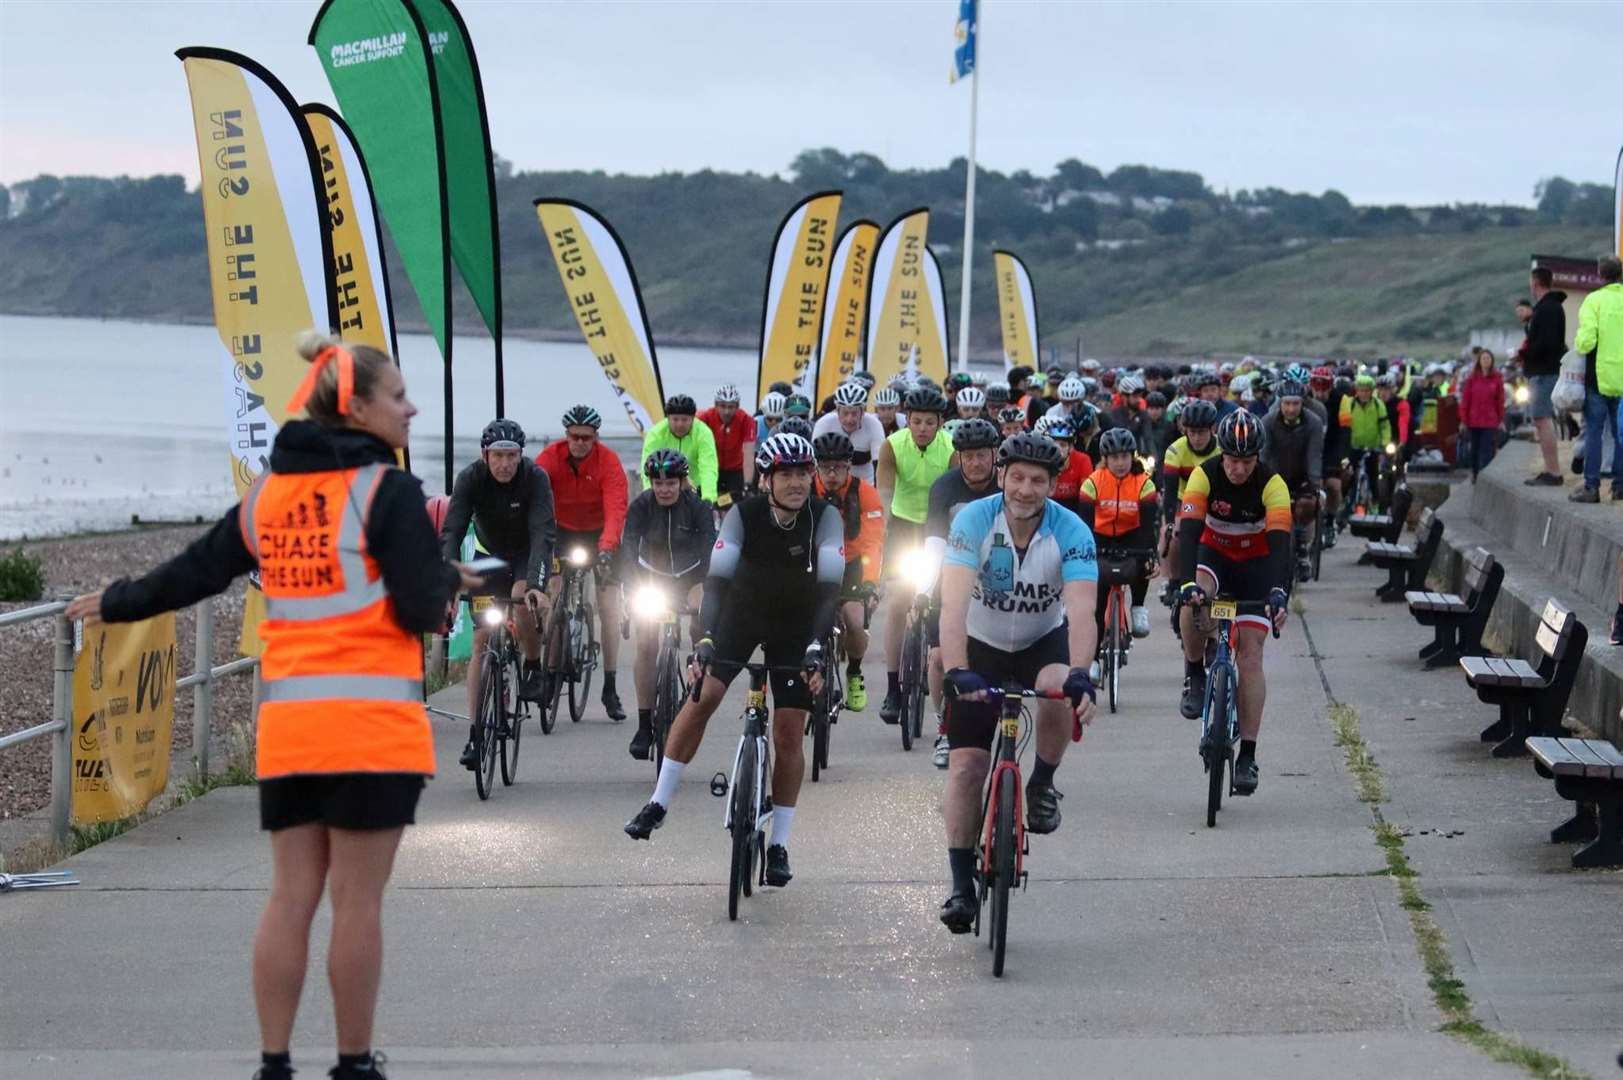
1295,451
948,495
863,518
1068,485
698,446
1368,424
513,521
1238,522
1121,509
589,493
671,540
1179,462
865,441
916,470
1016,598
730,437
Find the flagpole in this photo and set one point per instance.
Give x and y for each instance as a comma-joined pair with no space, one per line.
969,199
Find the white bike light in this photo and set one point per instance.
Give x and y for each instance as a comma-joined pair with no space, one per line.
494,615
1523,395
649,602
1391,449
917,569
578,556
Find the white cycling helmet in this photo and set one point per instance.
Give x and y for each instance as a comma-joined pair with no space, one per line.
978,378
726,394
887,397
1072,389
1041,426
772,404
1090,364
851,393
972,397
1130,384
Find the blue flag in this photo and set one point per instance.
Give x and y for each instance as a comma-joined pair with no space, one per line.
963,54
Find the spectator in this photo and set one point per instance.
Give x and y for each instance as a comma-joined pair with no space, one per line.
1482,411
1600,339
1542,352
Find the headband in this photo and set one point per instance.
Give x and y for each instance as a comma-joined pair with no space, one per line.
346,379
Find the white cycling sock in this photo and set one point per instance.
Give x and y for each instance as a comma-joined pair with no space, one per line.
670,775
782,818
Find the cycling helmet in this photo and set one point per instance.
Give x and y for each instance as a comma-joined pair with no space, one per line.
726,394
796,425
681,405
976,434
1262,382
1155,400
958,380
1199,414
1085,417
926,381
1038,381
832,446
1033,449
887,397
797,405
502,435
1297,373
1176,408
1207,378
1131,384
665,465
783,449
1056,427
581,416
1240,386
865,378
1390,379
1107,379
851,394
1321,376
1365,381
1118,440
997,395
1072,389
978,378
972,397
1090,364
772,404
1290,388
900,383
1011,414
1240,435
925,399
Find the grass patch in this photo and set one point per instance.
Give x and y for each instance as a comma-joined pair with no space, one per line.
1360,762
22,576
455,672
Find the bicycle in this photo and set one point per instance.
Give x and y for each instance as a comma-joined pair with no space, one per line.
914,677
1222,702
1117,639
572,639
499,724
670,690
1001,857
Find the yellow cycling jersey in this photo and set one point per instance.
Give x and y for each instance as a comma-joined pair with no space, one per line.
1181,460
1237,517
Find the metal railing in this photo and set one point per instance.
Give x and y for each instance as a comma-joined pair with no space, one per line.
60,726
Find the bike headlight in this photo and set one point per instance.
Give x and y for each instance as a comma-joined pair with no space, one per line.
1391,449
1523,395
494,615
649,602
916,569
579,556
1148,461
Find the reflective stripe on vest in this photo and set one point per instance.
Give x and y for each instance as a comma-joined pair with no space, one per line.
357,593
342,687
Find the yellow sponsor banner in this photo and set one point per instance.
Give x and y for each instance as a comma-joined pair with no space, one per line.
602,290
906,331
796,280
123,717
1016,309
840,347
1617,207
359,277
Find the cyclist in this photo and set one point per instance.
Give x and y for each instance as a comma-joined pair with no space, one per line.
952,386
970,402
796,425
1293,441
1298,373
862,429
1073,394
1017,591
1128,411
797,405
679,432
774,582
1366,427
1078,463
1118,505
1187,453
1210,386
668,536
1327,396
863,517
771,416
1160,430
1011,420
885,404
909,462
509,503
734,431
975,446
1234,541
998,396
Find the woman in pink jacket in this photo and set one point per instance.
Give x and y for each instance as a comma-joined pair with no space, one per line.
1482,411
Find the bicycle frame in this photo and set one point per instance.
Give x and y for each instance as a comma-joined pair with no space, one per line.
1223,657
1006,770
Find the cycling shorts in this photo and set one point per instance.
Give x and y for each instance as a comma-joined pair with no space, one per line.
340,801
973,724
851,584
1245,579
901,537
782,640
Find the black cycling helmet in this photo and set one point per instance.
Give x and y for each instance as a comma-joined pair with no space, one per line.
665,465
502,434
797,425
1118,440
997,395
1155,400
832,446
1198,413
976,434
1033,450
924,399
782,449
1240,435
1011,414
681,405
582,416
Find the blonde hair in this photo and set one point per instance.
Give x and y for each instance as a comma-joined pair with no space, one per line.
322,406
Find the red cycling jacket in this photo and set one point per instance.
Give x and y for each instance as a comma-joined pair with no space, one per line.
589,494
730,438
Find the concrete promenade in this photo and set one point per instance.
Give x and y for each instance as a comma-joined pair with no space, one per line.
528,937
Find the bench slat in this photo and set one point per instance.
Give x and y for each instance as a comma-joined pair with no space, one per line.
1607,754
1523,674
1553,635
1555,756
1477,671
1594,765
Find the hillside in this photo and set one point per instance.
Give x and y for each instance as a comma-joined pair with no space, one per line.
1139,261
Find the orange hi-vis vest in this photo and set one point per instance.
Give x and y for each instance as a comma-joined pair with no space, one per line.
342,681
1116,510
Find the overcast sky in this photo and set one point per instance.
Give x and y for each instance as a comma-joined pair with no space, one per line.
1388,102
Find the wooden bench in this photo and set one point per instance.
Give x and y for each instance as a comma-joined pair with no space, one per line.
1588,772
1406,566
1457,622
1531,699
1388,526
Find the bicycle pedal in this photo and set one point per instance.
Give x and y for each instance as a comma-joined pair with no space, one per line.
718,785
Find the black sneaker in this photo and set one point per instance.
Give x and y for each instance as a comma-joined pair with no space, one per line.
274,1072
370,1071
529,681
1194,697
648,819
1544,479
642,744
777,866
891,711
612,706
958,913
1245,776
470,756
1042,808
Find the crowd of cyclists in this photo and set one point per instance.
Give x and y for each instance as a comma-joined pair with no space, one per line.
1000,514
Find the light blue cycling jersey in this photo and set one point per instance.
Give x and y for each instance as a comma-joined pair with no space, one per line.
1015,601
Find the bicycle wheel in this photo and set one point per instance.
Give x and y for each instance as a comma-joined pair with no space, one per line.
1002,871
818,722
743,828
1317,555
921,688
1217,742
659,721
910,675
1112,645
489,725
515,721
583,659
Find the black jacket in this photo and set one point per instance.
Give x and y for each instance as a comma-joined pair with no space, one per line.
513,521
398,535
675,541
1546,335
